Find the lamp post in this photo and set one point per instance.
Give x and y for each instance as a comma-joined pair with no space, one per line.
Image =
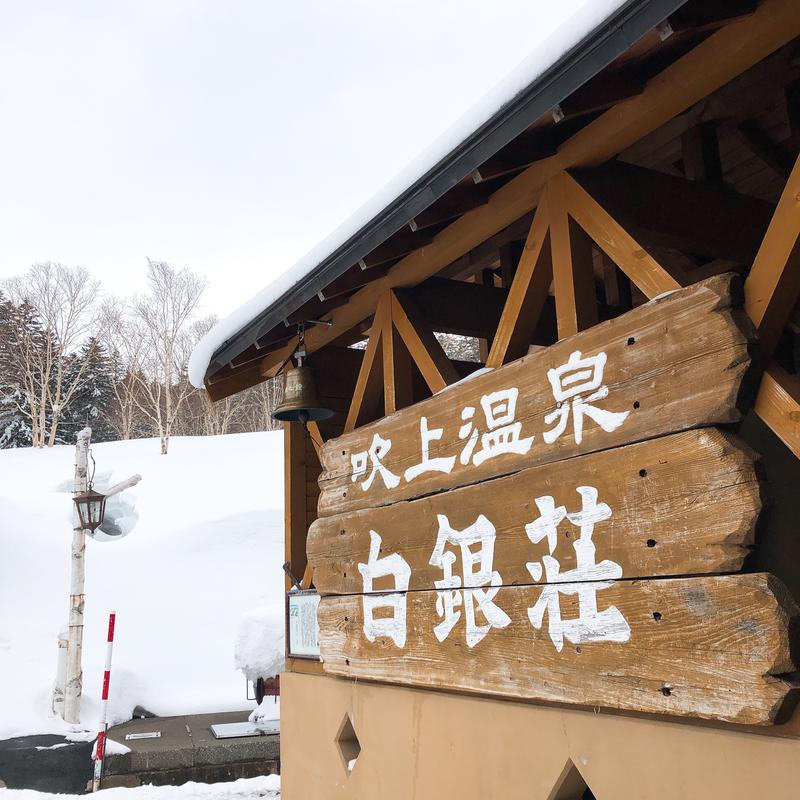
74,673
88,511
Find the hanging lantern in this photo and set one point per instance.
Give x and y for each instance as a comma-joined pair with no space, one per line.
91,507
300,400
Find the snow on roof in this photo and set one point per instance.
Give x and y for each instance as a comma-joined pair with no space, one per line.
566,36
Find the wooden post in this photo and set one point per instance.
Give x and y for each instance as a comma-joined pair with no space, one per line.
74,676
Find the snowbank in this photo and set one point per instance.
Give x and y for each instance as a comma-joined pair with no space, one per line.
259,649
547,45
204,545
267,786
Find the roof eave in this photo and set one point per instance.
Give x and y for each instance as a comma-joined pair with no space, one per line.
595,52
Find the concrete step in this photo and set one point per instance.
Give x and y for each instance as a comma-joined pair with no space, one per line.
188,751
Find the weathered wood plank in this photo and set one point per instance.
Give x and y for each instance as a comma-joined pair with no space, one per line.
675,363
707,647
680,505
778,404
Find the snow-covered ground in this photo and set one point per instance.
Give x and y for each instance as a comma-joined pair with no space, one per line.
205,546
244,789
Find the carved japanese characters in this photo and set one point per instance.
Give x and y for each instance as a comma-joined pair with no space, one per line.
642,375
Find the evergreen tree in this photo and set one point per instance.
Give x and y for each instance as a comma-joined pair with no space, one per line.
93,401
15,408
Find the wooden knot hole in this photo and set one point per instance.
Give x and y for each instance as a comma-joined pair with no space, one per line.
651,542
636,404
631,340
642,473
666,690
657,616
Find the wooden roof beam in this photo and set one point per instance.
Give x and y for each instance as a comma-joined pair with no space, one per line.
405,241
460,199
600,93
669,211
764,149
467,309
773,286
530,146
370,376
424,347
488,252
353,279
710,14
711,64
778,404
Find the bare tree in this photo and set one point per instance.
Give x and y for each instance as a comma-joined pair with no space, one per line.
164,317
54,317
125,342
259,402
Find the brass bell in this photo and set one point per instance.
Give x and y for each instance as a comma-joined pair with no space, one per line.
300,400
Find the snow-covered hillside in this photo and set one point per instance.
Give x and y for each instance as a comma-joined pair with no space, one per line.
206,546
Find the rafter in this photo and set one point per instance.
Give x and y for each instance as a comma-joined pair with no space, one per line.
650,276
527,295
773,286
692,216
436,368
778,404
368,383
573,270
461,307
398,390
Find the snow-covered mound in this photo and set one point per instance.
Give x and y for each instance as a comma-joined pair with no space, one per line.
204,545
259,653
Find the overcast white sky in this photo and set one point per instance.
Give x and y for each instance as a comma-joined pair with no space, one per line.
227,136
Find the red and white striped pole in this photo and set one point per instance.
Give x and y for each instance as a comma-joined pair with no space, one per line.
100,751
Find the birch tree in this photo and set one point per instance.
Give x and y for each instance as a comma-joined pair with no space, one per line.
53,317
125,342
259,403
164,318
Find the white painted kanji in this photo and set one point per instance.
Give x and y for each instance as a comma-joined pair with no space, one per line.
570,382
477,587
585,581
503,434
373,459
393,626
428,464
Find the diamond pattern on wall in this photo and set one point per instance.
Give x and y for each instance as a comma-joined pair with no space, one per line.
348,744
571,785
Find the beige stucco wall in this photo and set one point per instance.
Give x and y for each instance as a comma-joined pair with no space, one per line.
420,744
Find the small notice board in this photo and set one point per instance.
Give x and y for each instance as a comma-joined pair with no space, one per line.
302,625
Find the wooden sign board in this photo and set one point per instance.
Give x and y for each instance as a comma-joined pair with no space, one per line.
580,550
711,647
684,504
674,363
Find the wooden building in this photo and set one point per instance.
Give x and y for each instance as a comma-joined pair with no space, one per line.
575,573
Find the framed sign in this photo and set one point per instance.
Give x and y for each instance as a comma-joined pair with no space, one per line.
302,626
